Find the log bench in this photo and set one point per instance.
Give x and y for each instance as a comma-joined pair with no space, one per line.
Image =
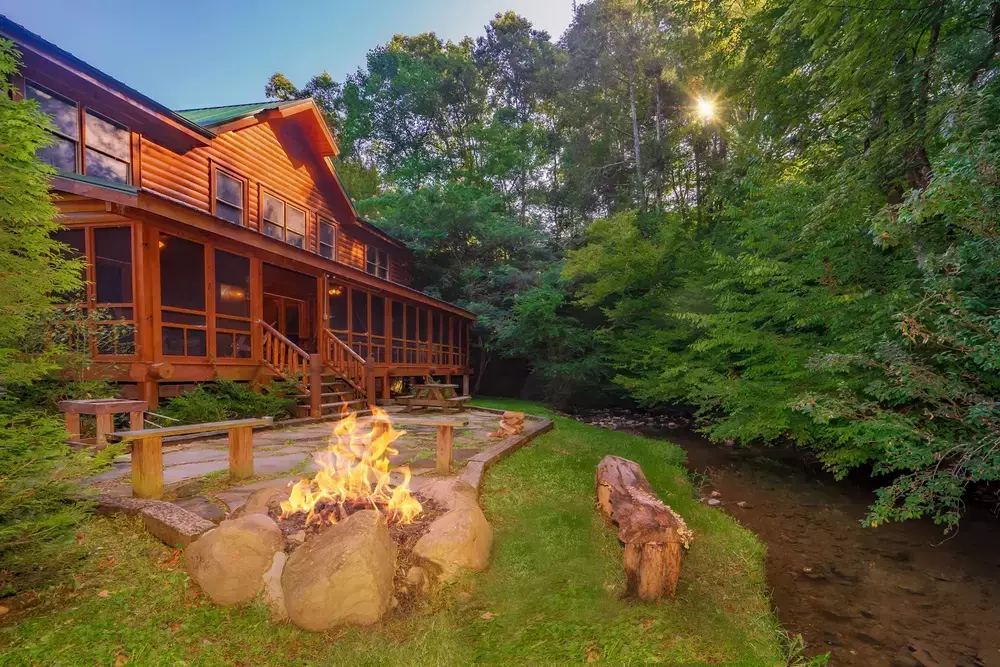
147,451
445,437
652,532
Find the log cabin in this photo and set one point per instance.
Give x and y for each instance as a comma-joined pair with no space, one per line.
220,243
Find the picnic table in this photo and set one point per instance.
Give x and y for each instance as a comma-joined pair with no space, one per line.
433,396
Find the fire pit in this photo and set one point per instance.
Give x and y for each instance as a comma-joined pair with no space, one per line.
348,544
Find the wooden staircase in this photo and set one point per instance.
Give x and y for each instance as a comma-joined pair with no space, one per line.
339,378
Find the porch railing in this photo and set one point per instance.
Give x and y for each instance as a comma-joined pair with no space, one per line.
283,356
345,362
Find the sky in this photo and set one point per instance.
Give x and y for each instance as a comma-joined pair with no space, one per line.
187,53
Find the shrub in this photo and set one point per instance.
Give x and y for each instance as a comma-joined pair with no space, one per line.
224,400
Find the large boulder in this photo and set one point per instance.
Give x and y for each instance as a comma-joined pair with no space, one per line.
262,501
459,540
342,575
450,493
229,562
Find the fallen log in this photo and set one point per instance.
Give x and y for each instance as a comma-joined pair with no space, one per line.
653,534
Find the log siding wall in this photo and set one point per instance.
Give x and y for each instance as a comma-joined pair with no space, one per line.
274,157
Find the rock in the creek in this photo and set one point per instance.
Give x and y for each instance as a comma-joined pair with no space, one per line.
262,501
744,505
273,596
229,562
459,540
716,494
714,502
343,575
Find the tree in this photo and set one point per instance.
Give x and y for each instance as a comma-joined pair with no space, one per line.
34,268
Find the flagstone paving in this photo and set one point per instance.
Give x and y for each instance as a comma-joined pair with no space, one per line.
290,450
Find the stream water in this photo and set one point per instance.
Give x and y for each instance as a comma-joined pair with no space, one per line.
899,595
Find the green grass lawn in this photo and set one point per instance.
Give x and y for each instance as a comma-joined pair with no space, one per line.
552,591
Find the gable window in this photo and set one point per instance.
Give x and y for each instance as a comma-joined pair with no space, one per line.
377,263
283,221
228,197
107,150
327,239
65,130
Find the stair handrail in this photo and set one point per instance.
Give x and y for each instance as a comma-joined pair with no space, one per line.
352,367
278,361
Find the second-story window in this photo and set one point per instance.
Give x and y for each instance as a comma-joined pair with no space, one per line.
377,262
107,148
327,239
228,197
284,222
62,152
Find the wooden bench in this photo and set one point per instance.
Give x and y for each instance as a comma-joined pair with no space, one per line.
445,437
147,451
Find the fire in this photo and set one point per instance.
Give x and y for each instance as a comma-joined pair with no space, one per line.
354,475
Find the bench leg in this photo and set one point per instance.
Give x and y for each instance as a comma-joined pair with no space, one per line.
72,426
445,444
135,421
147,468
105,427
241,452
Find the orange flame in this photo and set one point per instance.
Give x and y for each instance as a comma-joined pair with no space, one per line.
355,469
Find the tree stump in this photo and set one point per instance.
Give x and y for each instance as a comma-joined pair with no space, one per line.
653,533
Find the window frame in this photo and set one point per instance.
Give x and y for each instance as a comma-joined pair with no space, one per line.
80,141
286,204
385,253
245,209
321,220
84,146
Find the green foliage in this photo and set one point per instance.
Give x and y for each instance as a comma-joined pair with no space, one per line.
41,500
33,268
224,400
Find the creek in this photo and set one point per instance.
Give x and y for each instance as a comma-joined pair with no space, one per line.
901,595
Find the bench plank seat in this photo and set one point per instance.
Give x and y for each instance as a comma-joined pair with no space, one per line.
189,429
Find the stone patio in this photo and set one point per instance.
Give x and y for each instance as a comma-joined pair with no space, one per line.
194,472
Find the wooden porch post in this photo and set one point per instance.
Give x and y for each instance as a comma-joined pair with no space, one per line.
315,386
370,384
465,385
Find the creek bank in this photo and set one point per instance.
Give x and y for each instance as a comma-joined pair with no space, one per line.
901,594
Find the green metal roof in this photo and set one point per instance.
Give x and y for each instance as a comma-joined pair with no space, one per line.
211,116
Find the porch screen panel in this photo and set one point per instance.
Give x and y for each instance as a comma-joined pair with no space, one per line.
232,306
411,335
359,322
398,324
378,328
182,297
436,350
337,304
115,331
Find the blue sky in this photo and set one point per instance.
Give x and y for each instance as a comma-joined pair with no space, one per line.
187,53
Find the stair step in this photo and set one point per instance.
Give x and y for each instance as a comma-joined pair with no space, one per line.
327,394
326,408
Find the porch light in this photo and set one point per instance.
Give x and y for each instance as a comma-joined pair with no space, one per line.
336,290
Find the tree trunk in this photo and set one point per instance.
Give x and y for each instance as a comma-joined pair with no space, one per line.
635,133
653,533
